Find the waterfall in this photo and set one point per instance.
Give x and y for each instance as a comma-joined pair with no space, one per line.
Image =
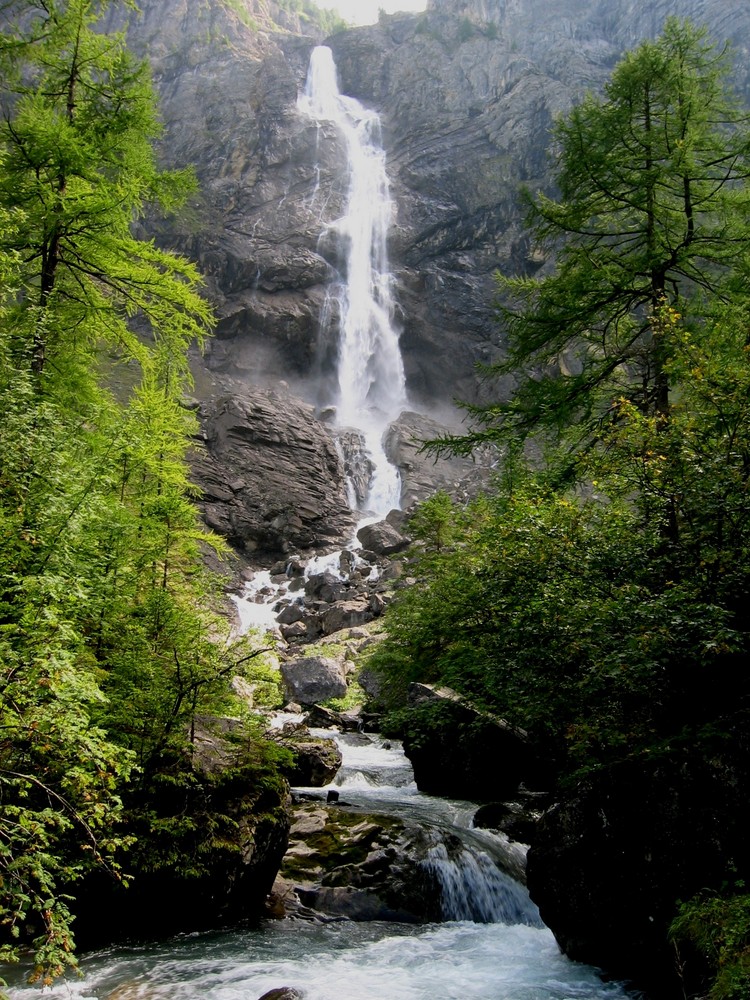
371,389
474,888
469,866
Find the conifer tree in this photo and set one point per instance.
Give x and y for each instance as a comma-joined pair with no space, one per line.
652,213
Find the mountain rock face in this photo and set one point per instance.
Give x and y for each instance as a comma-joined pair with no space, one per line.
467,93
271,478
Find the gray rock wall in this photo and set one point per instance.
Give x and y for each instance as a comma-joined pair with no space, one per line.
467,91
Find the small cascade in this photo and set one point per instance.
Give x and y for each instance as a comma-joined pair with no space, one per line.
472,871
371,383
491,945
474,888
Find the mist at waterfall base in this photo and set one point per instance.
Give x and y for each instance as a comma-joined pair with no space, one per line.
514,958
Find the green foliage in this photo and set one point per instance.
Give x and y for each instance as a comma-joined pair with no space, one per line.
601,601
560,615
353,698
240,9
435,522
327,20
184,820
717,927
597,601
108,641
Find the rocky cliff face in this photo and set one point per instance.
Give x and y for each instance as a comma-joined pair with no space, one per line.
467,94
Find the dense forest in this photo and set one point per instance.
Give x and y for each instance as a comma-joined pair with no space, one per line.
595,597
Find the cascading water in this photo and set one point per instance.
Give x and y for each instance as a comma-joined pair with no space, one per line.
470,866
371,383
494,948
360,307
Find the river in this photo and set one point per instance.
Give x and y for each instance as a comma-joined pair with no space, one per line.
515,958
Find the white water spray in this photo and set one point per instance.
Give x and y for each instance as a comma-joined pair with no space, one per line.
371,383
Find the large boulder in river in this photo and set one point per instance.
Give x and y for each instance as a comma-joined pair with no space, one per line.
358,866
312,679
343,862
609,864
316,761
209,838
462,752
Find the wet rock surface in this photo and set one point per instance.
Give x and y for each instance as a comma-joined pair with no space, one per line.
347,864
316,760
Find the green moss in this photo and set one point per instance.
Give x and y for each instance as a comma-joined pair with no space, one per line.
340,844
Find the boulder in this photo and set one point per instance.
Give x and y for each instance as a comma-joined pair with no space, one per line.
346,614
283,993
462,752
316,761
326,718
324,587
517,821
382,538
228,825
297,630
610,862
360,866
312,679
290,614
371,683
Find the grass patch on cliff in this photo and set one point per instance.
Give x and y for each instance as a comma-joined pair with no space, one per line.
238,7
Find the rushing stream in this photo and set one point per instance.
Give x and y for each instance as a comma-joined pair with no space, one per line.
514,959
